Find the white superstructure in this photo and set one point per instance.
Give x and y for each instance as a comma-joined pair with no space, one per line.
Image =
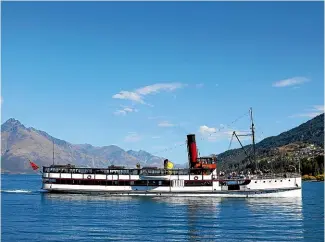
162,182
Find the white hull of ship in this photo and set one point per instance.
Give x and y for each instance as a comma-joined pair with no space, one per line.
129,191
272,187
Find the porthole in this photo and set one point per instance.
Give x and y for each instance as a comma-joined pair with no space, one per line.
256,182
264,181
280,180
275,180
289,179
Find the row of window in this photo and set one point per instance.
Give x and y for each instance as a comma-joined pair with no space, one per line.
107,182
122,182
90,171
126,171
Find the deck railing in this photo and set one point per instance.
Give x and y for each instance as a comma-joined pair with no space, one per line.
123,171
160,172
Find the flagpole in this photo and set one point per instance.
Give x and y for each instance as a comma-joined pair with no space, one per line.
53,150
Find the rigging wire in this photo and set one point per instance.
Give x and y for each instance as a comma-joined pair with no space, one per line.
231,140
250,148
232,137
202,138
227,126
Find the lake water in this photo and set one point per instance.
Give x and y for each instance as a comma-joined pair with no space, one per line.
28,214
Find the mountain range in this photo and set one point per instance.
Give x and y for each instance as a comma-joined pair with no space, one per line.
19,143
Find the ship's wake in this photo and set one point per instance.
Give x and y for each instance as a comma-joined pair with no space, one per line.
20,191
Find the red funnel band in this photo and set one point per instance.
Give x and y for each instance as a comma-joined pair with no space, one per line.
193,152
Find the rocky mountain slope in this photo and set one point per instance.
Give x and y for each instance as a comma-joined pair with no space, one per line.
18,144
308,133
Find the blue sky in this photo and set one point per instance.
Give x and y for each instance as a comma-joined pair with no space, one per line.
142,75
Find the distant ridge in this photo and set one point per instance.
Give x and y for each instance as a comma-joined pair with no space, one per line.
20,144
310,132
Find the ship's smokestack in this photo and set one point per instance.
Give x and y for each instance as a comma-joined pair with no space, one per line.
192,150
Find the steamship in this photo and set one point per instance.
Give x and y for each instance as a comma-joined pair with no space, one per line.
201,178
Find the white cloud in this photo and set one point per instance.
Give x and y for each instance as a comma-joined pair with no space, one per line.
1,100
204,130
155,137
311,113
209,133
129,96
155,88
138,94
290,82
165,124
132,137
200,85
125,110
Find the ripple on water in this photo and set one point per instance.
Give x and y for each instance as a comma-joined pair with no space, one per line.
36,216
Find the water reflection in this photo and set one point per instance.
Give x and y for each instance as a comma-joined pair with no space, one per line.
83,197
188,218
281,216
178,218
206,203
201,215
191,201
277,206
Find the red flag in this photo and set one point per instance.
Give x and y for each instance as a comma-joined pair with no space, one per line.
33,165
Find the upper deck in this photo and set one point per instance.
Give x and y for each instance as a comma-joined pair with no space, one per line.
150,171
126,171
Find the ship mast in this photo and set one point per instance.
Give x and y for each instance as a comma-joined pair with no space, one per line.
253,139
253,135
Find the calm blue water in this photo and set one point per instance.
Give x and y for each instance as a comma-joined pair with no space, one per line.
31,215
